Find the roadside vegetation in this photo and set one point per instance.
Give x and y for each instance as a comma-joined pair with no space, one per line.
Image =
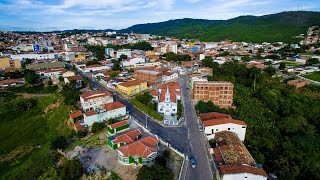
313,76
283,123
145,104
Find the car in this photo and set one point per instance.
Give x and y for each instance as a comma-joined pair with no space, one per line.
187,88
200,128
193,163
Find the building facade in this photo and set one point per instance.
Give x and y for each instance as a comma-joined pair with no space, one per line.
93,99
219,92
6,63
131,88
152,77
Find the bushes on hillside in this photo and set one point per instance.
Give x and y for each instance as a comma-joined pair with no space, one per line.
96,127
71,170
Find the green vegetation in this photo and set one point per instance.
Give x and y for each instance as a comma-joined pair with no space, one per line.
314,76
97,127
114,176
283,123
270,28
71,170
290,63
179,110
171,56
99,51
312,61
92,62
156,172
147,109
138,46
26,135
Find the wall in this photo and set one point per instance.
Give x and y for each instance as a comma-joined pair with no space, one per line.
241,132
89,120
246,176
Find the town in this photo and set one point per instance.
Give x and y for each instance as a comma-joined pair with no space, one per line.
110,105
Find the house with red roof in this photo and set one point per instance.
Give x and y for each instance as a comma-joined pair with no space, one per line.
118,127
142,152
123,139
105,112
233,160
93,99
214,122
77,79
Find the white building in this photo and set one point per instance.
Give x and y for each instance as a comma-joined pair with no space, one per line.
34,56
95,67
126,52
104,112
213,124
93,99
53,74
133,61
169,76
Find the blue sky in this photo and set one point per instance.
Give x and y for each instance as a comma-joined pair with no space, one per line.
48,15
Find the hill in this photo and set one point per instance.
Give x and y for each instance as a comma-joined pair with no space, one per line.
271,28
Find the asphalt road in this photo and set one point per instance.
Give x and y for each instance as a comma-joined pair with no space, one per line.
187,139
196,139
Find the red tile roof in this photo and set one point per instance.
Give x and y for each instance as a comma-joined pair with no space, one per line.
173,95
119,124
142,148
11,81
234,169
213,115
113,105
132,83
214,122
76,114
90,113
78,126
70,78
55,70
94,94
127,137
153,93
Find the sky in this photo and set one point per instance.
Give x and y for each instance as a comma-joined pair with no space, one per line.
49,15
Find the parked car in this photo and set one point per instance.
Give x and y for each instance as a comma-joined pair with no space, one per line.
200,128
193,163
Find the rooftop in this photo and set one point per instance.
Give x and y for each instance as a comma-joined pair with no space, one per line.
76,114
94,94
132,83
213,122
127,137
71,78
119,124
142,148
213,115
113,105
234,169
233,150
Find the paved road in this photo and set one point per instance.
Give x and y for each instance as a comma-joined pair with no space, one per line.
186,139
196,138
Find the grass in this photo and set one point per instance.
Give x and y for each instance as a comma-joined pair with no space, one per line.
34,130
314,76
152,113
291,63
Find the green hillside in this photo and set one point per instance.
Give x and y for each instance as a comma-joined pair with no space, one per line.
271,28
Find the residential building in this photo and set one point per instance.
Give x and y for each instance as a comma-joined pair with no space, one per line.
133,61
126,52
219,92
105,112
21,57
6,63
131,88
152,77
142,152
11,83
93,99
118,127
169,76
216,122
205,71
123,139
234,160
96,67
298,83
53,74
78,80
46,65
74,120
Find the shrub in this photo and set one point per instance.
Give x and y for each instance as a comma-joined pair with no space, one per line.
71,170
96,127
59,143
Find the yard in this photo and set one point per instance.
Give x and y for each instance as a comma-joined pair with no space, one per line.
292,63
25,138
314,76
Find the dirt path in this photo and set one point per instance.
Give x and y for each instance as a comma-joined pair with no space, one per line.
27,95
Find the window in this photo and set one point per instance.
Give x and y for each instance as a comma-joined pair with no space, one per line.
217,129
229,129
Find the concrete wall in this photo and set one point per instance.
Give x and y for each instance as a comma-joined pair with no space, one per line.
241,132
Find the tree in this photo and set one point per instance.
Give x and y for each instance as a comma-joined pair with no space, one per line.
59,142
270,70
312,61
246,58
96,127
92,62
30,76
71,170
113,74
116,66
155,172
282,66
123,57
208,62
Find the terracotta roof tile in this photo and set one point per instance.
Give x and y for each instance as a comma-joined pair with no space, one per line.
234,169
75,114
213,115
119,124
213,122
94,94
113,105
71,78
90,113
127,137
142,148
132,83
